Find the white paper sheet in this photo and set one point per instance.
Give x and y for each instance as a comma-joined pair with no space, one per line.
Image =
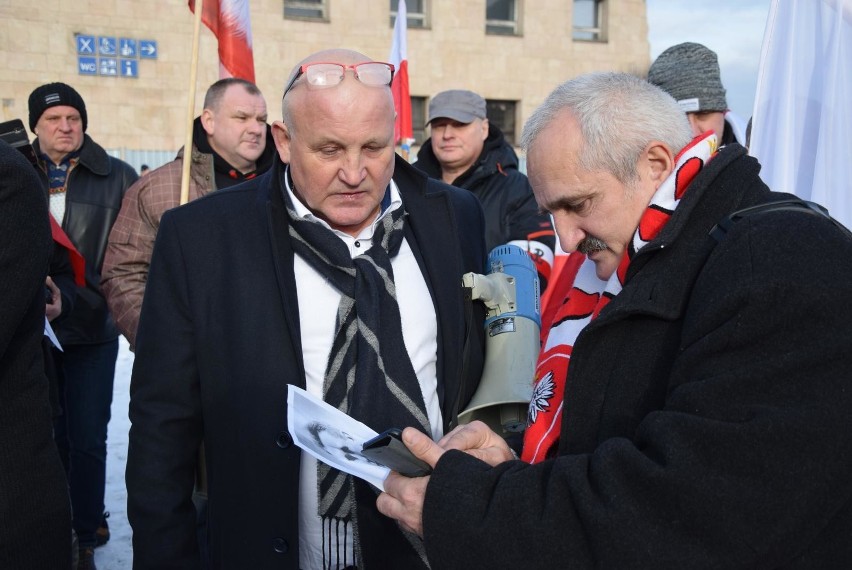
48,332
331,436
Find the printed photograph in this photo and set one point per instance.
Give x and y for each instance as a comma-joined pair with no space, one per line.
331,436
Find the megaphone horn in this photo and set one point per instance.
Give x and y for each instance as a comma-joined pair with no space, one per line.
510,293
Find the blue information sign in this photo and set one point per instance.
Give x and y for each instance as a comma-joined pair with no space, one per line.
106,46
87,65
111,55
86,45
148,49
129,68
127,47
108,66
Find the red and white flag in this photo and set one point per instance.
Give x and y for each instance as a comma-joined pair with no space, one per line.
399,87
229,21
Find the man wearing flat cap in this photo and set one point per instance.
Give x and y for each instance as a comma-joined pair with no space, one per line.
86,186
689,72
469,152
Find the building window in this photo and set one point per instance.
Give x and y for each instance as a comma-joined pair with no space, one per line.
418,118
306,9
502,114
589,20
501,17
416,10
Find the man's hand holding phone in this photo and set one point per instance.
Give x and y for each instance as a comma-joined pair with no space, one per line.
388,449
403,496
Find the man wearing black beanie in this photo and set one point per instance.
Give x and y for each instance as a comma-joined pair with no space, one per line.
86,186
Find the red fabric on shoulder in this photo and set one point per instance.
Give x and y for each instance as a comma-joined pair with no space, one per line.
78,264
564,270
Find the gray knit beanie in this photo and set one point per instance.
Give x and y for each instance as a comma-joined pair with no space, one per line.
689,72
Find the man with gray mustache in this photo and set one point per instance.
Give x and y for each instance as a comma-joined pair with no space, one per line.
705,418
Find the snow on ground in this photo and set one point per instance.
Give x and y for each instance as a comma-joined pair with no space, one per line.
117,554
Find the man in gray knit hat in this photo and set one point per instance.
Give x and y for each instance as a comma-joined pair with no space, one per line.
689,72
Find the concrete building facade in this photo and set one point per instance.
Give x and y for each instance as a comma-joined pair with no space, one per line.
512,52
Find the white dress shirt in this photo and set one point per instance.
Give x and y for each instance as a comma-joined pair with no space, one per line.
318,301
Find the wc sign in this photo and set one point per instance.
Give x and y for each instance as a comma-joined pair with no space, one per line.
87,65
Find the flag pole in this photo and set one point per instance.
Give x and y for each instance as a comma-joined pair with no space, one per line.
193,74
400,88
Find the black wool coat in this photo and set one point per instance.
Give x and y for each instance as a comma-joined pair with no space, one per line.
35,510
708,418
219,342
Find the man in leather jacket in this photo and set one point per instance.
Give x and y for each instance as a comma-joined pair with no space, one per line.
86,186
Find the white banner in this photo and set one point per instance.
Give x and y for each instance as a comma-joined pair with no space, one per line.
802,123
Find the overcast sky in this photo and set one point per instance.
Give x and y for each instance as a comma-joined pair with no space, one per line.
731,28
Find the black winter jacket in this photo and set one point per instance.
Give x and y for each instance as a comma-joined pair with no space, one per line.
511,212
200,371
708,418
94,190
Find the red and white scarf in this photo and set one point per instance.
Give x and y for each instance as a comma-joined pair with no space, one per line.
589,295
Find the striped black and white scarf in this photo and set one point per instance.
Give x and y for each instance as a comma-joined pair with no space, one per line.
369,376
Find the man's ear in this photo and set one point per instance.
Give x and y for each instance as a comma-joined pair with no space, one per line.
281,136
484,129
658,162
207,121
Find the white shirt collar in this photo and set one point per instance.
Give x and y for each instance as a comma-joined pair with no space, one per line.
367,233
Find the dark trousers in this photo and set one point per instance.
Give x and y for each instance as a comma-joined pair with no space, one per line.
85,375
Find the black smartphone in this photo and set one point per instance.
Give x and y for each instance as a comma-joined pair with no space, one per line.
14,133
387,449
